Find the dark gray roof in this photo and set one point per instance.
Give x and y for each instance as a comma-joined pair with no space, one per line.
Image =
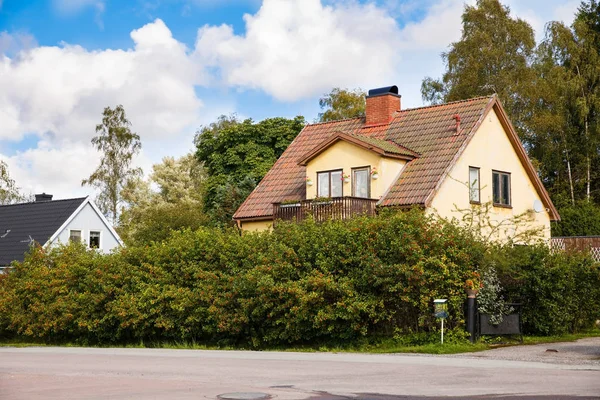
36,220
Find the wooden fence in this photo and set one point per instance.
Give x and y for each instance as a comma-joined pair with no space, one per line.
577,243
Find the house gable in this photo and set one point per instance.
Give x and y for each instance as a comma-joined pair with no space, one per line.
344,155
87,218
378,146
25,223
491,149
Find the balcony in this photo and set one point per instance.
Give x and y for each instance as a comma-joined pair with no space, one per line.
324,209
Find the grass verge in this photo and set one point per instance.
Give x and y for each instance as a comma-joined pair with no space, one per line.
380,347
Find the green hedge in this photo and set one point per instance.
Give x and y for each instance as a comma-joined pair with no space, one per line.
560,292
309,283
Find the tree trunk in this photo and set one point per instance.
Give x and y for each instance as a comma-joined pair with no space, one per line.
572,191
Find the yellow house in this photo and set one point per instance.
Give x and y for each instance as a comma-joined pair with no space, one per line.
461,160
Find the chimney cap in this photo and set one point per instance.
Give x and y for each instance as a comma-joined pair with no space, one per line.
384,90
43,197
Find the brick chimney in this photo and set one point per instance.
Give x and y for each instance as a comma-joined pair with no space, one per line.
381,105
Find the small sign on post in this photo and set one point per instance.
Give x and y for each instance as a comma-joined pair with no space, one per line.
441,312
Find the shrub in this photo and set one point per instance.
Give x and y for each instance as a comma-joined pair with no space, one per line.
581,219
331,283
560,292
490,300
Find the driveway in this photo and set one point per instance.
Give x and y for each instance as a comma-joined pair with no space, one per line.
92,373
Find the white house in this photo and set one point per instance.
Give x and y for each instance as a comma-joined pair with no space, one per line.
50,222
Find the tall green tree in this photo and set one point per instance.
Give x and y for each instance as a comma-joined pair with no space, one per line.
169,200
493,56
236,156
118,145
564,119
9,191
342,103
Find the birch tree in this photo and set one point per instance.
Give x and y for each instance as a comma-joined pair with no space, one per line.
9,192
118,145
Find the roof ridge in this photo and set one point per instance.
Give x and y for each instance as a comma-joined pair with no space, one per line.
42,202
448,103
389,141
334,122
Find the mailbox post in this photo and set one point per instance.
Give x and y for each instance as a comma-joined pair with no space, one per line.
441,312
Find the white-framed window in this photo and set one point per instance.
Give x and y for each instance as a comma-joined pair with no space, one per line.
474,185
501,188
330,183
361,182
75,235
94,239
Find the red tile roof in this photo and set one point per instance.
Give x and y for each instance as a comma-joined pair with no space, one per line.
430,132
383,147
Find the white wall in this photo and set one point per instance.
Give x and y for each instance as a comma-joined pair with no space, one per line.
85,221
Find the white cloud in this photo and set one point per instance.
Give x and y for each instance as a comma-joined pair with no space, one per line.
441,26
64,89
566,12
73,6
59,93
291,50
12,44
539,12
298,48
54,169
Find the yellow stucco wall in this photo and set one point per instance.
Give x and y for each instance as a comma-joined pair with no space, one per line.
490,149
256,226
344,155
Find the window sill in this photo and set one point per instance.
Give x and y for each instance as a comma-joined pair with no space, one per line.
502,205
477,203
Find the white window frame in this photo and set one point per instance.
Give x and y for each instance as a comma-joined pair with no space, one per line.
89,236
329,173
81,237
475,191
354,170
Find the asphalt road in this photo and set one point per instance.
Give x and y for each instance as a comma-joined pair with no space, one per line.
90,373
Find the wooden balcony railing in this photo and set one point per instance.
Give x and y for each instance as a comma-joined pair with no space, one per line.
322,210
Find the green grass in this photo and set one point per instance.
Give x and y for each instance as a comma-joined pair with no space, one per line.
431,348
571,337
375,347
388,346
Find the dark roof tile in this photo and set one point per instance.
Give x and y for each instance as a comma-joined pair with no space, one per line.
36,220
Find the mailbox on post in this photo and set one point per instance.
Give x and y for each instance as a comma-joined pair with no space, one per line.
441,312
441,308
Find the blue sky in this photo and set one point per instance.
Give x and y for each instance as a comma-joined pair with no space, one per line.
178,64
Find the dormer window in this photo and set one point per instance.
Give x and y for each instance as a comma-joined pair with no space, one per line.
330,183
361,182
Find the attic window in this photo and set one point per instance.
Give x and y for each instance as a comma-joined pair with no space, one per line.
329,183
75,236
361,182
474,186
94,239
501,188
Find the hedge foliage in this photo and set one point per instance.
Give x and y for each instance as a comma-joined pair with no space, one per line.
307,283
